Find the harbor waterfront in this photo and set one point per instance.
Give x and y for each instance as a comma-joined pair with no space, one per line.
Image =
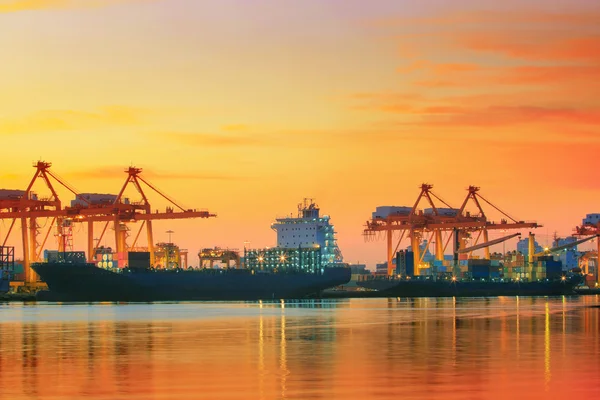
425,348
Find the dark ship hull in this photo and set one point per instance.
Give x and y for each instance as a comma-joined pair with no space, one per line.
86,282
448,288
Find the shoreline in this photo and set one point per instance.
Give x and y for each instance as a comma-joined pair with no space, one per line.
334,294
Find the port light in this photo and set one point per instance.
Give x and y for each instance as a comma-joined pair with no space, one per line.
453,279
564,278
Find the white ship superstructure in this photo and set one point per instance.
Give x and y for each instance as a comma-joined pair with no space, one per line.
309,230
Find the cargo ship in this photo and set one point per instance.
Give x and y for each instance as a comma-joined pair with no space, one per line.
475,278
452,287
305,262
86,282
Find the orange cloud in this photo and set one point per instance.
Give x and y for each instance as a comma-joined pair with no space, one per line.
443,69
496,70
538,45
472,110
531,17
556,74
441,76
504,116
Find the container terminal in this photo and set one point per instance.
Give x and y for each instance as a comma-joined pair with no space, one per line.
305,240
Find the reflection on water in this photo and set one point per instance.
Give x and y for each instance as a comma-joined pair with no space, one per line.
517,348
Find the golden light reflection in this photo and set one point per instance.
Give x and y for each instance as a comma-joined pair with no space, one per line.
518,341
564,324
547,372
283,359
453,331
261,357
370,349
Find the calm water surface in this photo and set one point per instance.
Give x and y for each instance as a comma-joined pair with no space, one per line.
502,348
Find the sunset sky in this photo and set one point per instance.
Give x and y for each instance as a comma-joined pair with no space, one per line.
245,107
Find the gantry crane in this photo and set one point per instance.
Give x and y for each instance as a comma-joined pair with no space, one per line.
124,213
459,222
413,222
28,208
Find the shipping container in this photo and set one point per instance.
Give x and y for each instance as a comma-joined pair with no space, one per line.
478,262
480,271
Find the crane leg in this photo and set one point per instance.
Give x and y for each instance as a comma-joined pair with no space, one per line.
150,242
485,240
415,244
597,260
439,246
456,246
90,244
118,248
32,240
390,265
26,262
530,255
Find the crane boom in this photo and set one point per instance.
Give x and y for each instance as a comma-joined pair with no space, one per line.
487,244
565,246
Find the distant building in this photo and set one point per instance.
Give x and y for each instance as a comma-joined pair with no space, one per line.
569,257
523,247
